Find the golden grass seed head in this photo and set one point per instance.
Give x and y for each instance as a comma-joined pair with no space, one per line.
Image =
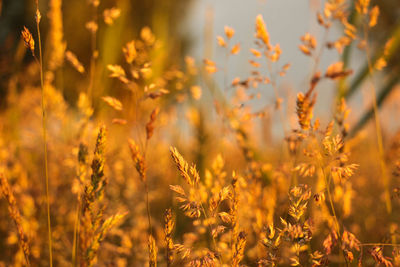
152,252
138,159
28,39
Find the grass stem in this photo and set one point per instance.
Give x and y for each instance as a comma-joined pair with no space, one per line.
44,128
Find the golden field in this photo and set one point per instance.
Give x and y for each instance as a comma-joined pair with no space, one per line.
117,148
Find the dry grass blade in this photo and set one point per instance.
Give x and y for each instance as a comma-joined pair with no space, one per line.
15,215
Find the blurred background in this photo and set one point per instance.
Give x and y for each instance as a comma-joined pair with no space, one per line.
190,28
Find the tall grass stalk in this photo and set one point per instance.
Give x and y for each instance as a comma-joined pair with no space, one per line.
75,244
146,187
94,54
335,218
44,128
378,129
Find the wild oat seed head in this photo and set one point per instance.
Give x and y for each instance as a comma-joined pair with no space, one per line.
221,41
362,6
150,123
28,39
71,58
168,227
97,179
261,31
239,247
147,35
235,49
336,71
130,52
113,102
110,15
138,159
38,16
118,72
152,252
229,32
182,165
304,110
373,16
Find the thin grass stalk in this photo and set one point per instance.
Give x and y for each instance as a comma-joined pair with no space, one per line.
140,165
226,67
210,229
93,45
75,244
320,52
328,190
386,179
146,187
44,129
148,208
275,87
152,252
342,88
294,181
151,242
82,163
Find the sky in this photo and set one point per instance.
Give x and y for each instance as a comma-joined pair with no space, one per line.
286,21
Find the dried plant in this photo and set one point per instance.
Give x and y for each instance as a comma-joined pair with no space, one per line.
169,244
220,166
15,216
93,229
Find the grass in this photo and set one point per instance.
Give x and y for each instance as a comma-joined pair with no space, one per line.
169,167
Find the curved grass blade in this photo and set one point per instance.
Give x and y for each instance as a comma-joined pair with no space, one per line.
363,73
383,94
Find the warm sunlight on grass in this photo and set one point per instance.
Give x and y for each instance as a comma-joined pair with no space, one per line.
117,148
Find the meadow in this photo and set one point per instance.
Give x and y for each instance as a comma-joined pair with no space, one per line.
142,155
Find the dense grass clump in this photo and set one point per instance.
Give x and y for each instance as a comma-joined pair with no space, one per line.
159,159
